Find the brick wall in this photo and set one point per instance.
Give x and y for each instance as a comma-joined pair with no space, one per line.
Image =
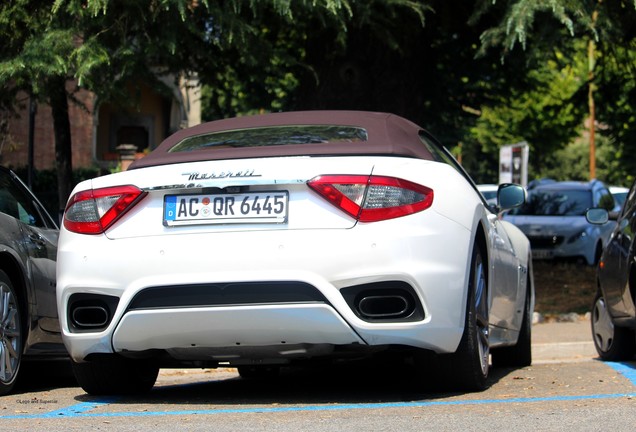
15,151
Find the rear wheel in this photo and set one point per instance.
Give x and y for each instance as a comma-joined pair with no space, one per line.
467,368
470,364
11,336
612,343
114,375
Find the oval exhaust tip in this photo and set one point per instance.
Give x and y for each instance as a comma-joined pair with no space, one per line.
90,316
384,306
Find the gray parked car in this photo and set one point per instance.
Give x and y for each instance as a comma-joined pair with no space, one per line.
553,218
29,325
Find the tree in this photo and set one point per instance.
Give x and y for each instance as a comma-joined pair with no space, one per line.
436,62
546,111
601,31
427,73
290,56
38,64
103,45
415,63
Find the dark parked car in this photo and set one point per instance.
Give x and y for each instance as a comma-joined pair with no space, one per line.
29,325
613,311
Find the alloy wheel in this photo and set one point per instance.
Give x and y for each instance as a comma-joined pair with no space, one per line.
481,314
602,326
10,334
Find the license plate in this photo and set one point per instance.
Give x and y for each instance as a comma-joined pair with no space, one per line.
244,208
542,254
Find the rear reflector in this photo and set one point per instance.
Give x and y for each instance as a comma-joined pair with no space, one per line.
373,198
94,211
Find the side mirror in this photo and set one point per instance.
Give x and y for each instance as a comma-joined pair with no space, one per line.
510,195
597,216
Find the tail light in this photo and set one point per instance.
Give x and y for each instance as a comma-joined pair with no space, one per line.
373,198
94,211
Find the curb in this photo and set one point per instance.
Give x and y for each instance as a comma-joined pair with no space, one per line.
562,338
538,318
563,352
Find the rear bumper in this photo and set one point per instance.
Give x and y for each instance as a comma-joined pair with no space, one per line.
232,326
433,262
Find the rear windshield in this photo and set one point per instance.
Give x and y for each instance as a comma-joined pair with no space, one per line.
272,136
555,203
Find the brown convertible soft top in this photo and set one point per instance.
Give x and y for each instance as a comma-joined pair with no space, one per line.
387,134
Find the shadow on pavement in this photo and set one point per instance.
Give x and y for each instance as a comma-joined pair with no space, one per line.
355,382
41,375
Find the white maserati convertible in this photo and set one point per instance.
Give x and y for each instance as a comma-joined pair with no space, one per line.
274,240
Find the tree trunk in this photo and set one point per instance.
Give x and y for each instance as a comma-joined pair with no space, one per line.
591,59
62,131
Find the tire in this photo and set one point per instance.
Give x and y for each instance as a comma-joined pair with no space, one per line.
114,375
520,354
473,356
612,343
12,336
258,372
467,368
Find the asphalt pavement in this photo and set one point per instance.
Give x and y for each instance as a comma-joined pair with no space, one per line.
563,339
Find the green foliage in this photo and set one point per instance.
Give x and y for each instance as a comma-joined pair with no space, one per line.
568,163
104,46
479,74
518,23
42,56
616,112
572,163
268,76
263,80
546,112
597,40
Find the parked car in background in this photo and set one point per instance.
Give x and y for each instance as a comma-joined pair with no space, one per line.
489,191
280,239
553,218
620,195
29,326
614,311
538,182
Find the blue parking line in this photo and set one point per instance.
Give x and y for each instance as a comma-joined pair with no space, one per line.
78,409
84,409
81,410
628,370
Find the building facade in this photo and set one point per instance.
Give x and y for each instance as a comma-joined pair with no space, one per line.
99,129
